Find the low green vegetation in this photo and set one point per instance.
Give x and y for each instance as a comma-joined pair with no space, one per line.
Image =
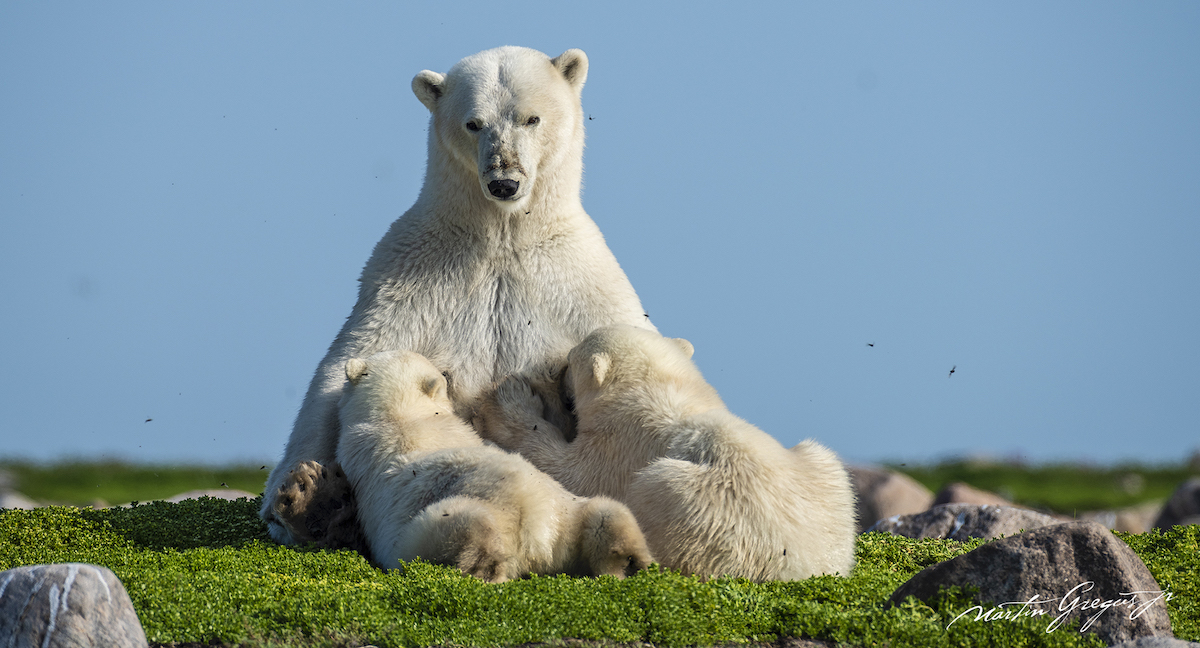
1062,488
202,571
85,483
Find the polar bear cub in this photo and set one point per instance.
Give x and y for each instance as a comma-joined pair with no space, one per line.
714,495
428,487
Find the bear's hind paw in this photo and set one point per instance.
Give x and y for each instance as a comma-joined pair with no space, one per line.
304,486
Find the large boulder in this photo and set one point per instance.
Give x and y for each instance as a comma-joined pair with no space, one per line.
963,521
962,493
1062,571
1156,642
1131,519
15,500
1183,507
10,498
883,493
66,605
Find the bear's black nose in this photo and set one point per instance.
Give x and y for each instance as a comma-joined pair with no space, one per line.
503,188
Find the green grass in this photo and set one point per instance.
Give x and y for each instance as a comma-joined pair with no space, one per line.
205,571
81,483
1062,488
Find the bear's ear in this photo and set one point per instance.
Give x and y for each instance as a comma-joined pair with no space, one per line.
431,387
600,364
687,347
356,368
573,65
429,87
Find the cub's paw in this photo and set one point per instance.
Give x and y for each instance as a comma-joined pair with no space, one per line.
613,543
517,400
485,564
507,413
484,554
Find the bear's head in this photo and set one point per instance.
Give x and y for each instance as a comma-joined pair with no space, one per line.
393,384
625,361
511,117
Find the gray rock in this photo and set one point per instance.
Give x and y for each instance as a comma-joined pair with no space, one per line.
1132,519
1139,518
1066,567
883,493
1108,519
960,493
1183,505
66,605
963,521
219,493
1156,642
14,500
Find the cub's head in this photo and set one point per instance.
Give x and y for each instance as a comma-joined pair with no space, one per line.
509,115
616,360
391,382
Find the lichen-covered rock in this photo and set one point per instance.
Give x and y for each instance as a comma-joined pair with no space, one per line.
73,605
963,521
1076,570
883,494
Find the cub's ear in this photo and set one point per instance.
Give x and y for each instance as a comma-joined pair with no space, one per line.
600,365
356,368
573,65
431,387
687,347
429,87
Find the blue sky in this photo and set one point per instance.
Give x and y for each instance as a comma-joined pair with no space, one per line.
189,191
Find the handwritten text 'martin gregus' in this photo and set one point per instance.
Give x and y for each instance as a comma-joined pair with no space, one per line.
1075,601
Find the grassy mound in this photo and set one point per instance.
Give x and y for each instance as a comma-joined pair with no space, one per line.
204,571
80,482
1065,488
1062,488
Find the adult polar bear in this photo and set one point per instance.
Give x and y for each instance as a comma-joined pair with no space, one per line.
496,269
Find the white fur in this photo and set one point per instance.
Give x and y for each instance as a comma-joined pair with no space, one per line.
428,487
713,494
482,286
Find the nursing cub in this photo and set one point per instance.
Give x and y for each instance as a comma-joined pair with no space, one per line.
428,487
713,494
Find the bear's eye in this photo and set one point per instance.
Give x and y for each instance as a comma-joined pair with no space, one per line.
533,120
473,126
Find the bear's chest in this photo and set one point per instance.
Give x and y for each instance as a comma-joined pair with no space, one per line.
483,316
